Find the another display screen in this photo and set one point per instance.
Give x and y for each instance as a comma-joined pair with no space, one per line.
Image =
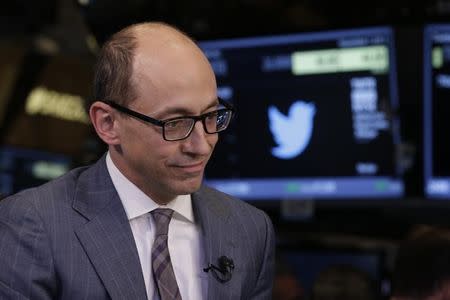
437,111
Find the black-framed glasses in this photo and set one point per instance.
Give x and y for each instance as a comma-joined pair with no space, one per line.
179,128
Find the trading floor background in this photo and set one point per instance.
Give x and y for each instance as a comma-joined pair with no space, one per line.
374,164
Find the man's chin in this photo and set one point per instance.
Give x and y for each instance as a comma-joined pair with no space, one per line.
189,186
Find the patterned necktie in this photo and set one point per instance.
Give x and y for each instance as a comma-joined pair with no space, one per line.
162,267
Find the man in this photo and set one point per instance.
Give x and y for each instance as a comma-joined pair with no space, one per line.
94,233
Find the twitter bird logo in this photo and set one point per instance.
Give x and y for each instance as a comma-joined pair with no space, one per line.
293,132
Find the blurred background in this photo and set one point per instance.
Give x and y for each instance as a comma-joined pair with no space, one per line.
47,52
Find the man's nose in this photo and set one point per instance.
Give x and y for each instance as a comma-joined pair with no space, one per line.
199,142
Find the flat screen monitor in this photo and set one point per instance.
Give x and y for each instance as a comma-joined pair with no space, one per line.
316,116
22,168
436,68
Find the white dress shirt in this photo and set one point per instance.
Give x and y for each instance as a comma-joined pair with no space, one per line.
184,238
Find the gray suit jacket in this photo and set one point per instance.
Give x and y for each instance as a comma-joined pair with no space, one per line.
71,239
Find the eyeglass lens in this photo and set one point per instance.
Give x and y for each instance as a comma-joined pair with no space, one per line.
182,127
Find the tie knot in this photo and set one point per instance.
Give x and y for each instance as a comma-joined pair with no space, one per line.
162,217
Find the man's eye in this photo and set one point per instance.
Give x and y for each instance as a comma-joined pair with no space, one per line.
212,115
174,123
178,123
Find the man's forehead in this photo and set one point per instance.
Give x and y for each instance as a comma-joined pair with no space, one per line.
194,107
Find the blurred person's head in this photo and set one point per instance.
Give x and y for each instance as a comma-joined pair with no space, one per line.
286,285
343,282
422,266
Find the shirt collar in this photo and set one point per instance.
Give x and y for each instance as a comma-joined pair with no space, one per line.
137,203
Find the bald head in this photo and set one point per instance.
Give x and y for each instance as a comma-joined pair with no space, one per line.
162,34
149,51
167,60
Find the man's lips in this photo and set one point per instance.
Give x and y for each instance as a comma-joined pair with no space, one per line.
191,167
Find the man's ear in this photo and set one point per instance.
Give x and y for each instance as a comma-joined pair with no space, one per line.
103,119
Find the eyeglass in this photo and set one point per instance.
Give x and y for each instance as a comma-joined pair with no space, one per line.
179,128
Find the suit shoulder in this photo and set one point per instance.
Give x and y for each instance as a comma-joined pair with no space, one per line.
237,206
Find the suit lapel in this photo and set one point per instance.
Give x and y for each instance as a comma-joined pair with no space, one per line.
218,237
107,237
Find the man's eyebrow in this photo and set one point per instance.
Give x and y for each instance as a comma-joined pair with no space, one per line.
184,111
